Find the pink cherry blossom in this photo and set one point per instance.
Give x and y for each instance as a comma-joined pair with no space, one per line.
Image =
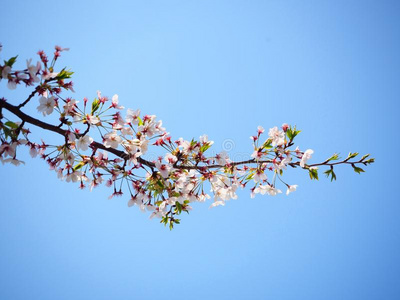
277,136
92,120
112,140
84,142
170,158
259,176
163,168
46,106
132,116
165,187
222,158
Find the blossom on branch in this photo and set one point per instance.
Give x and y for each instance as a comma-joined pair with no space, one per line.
84,142
186,172
306,156
112,139
46,106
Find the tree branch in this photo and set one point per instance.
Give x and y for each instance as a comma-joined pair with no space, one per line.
28,119
29,97
37,89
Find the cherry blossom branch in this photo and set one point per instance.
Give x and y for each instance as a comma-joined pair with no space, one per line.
28,119
166,186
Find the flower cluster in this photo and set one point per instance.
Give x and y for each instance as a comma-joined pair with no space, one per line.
166,186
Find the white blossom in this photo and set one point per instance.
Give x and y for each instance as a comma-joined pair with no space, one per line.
115,102
112,140
14,161
204,140
291,188
163,168
126,131
33,151
222,158
6,70
68,156
69,106
277,136
8,149
306,156
84,142
74,176
267,189
217,203
32,69
49,75
170,158
46,106
12,84
132,116
92,120
259,176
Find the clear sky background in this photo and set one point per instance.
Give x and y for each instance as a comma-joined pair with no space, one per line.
221,68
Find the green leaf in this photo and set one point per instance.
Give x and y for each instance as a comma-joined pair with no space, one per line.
370,161
313,173
78,166
205,147
64,74
357,169
160,184
352,155
11,61
164,220
333,176
267,144
95,105
193,142
11,124
291,133
7,132
178,207
333,157
330,173
250,176
364,157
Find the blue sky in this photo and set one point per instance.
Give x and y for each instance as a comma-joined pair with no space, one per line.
221,68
